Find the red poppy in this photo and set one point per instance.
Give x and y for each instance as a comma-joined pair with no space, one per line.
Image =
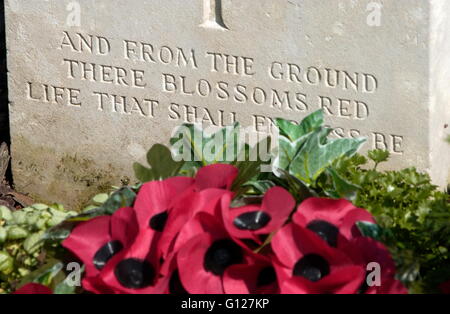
307,264
33,288
257,277
135,269
375,257
96,241
251,221
211,183
156,198
207,254
331,219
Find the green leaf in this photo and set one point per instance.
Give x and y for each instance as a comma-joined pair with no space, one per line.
246,200
3,234
188,143
33,242
250,167
59,232
260,186
143,174
287,151
16,232
162,165
296,187
5,213
100,198
342,187
124,197
247,171
64,288
317,154
370,230
6,263
45,274
309,124
378,156
194,146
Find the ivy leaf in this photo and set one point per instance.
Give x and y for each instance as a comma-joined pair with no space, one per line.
317,154
187,144
370,230
342,187
162,165
249,164
287,151
309,124
192,144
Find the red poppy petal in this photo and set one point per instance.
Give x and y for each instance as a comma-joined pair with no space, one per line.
250,279
202,223
279,203
219,176
33,288
349,228
229,216
157,196
330,210
343,280
193,276
139,253
364,250
87,238
247,221
293,242
124,225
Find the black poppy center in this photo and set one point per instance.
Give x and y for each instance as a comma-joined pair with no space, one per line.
158,222
134,273
325,230
222,254
312,267
266,277
252,220
105,253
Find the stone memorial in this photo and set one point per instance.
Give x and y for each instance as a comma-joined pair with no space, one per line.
94,83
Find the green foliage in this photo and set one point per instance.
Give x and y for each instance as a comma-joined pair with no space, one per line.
378,156
414,216
22,242
103,204
305,150
162,165
197,148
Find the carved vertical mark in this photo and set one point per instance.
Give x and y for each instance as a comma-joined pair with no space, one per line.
212,15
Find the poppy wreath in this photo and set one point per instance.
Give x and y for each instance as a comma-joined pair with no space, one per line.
184,235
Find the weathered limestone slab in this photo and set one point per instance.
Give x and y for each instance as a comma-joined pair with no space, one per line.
93,84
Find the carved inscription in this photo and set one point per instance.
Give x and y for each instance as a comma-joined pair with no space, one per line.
212,15
181,84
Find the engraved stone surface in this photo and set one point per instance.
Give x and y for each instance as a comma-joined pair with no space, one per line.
93,84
